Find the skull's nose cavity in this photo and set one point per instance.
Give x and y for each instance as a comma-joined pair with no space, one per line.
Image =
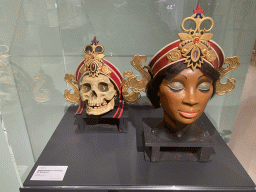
94,95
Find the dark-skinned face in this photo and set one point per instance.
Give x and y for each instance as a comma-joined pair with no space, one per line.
185,96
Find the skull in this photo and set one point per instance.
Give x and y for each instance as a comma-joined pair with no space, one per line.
98,93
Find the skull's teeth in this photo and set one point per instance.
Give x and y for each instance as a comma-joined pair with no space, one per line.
104,103
94,105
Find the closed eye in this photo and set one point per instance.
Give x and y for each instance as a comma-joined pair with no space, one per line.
204,87
176,87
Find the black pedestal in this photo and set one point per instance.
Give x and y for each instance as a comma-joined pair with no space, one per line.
111,161
103,123
162,144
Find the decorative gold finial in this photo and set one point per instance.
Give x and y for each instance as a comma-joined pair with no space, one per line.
93,58
194,46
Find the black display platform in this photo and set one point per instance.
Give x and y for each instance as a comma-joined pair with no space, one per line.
115,161
103,123
191,144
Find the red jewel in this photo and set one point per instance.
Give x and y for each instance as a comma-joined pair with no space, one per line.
93,67
196,40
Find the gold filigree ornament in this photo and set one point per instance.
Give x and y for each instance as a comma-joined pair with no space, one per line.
135,85
72,98
223,88
210,56
106,70
194,46
174,55
93,61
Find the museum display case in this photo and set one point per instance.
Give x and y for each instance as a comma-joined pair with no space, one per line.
45,43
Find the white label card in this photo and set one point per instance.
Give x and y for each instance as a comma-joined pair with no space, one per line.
49,173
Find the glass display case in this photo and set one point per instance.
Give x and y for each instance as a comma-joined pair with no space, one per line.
41,41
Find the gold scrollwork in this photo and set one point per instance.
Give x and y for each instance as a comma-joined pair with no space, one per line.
174,55
72,98
223,88
135,85
129,97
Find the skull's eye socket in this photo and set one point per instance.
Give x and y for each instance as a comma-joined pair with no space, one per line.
86,87
98,49
88,48
103,87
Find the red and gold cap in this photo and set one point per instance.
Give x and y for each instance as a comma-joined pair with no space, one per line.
194,47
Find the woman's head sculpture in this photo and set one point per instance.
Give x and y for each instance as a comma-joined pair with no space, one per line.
186,73
182,92
96,84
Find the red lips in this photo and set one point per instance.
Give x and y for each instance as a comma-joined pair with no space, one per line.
188,114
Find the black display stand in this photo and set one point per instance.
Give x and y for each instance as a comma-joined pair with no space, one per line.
103,123
115,161
162,144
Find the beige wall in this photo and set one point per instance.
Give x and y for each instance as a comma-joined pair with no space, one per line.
243,138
